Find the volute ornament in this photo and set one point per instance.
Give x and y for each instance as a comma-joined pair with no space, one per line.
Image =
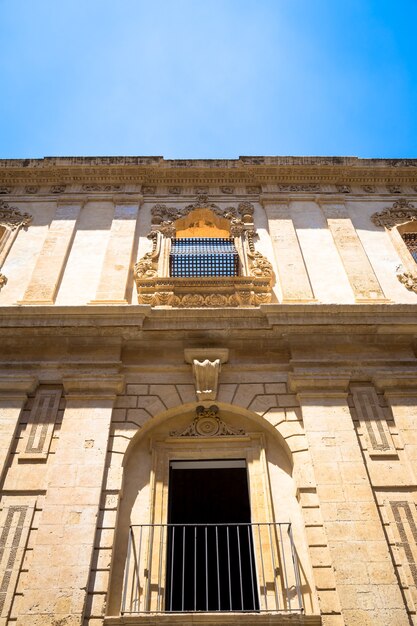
402,211
260,266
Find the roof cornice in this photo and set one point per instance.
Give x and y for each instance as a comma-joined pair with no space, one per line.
244,170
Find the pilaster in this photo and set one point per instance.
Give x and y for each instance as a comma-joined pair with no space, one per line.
359,270
118,258
14,391
293,277
358,548
47,273
58,578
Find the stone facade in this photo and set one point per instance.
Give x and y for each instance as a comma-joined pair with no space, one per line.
302,367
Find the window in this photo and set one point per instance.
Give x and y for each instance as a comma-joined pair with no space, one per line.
203,256
210,552
410,240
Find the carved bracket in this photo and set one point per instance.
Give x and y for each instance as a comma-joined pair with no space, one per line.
207,423
206,369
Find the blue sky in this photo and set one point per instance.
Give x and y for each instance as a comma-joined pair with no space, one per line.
208,79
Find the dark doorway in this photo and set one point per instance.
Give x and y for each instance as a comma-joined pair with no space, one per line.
210,558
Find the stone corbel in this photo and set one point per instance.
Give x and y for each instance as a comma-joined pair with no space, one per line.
206,364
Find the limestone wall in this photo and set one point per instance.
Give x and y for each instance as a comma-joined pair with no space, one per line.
81,250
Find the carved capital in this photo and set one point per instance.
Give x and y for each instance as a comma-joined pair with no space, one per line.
3,281
402,211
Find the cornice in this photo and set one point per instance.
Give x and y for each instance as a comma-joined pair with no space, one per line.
380,320
304,171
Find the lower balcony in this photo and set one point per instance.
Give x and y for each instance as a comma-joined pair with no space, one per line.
188,574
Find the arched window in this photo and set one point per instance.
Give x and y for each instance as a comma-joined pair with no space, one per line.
203,256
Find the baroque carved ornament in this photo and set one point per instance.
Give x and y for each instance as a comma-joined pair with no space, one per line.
207,423
12,218
251,288
402,211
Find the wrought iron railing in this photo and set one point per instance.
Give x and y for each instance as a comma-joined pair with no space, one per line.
247,567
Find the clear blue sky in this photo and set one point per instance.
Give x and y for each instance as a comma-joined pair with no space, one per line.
208,78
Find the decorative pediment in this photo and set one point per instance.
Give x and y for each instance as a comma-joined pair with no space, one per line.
402,211
207,423
12,218
164,215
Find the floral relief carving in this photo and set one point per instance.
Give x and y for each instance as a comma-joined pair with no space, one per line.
394,188
58,188
32,189
303,187
5,190
402,211
102,187
343,188
207,423
12,218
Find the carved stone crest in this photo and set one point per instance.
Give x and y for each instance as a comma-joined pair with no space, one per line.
402,211
12,218
207,423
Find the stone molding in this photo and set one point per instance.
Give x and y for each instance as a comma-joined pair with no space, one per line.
318,383
93,387
17,384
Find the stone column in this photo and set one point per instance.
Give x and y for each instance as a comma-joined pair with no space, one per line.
359,551
50,265
118,258
360,273
293,277
13,395
57,582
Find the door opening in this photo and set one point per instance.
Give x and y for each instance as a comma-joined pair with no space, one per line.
210,557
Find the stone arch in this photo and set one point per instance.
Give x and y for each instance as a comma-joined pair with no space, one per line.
269,454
